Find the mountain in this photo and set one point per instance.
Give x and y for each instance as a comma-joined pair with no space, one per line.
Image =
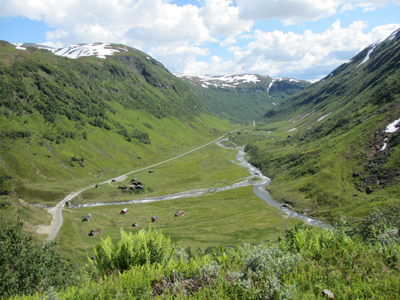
334,147
242,98
238,98
68,122
100,50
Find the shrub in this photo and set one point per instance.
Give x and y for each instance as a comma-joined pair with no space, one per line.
27,267
144,248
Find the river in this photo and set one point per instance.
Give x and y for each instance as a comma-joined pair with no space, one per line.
258,188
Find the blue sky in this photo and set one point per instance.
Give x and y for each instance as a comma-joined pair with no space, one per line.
303,39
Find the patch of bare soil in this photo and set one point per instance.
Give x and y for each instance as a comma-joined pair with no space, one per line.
46,229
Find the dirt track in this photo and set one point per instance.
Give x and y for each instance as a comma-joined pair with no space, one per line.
55,225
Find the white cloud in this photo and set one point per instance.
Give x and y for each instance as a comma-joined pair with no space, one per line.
347,6
305,56
148,22
53,45
223,19
369,8
177,57
56,35
299,11
179,35
228,41
288,11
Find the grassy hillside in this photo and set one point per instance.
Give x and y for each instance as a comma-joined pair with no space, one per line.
243,101
69,123
327,148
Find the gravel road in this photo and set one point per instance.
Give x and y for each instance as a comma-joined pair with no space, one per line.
55,225
259,189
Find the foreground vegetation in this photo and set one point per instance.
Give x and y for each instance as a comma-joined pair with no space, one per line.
225,219
352,262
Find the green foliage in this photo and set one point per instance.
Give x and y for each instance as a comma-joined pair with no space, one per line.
27,268
119,113
148,125
380,225
146,247
330,151
343,264
81,90
264,272
3,190
246,101
306,261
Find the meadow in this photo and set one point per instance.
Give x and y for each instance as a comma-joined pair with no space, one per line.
227,218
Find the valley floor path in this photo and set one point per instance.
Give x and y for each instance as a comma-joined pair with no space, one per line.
57,221
258,188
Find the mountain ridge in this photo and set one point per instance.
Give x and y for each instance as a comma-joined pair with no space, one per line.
336,144
76,120
243,97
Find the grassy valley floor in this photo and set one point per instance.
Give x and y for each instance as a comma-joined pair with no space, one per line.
226,218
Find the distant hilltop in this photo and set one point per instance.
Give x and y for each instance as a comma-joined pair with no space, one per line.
99,50
229,80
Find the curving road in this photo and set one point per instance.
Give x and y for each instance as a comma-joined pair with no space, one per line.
259,190
57,221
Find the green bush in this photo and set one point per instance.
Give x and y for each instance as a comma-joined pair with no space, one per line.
145,247
27,267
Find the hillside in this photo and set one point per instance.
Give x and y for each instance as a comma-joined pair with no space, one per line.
66,123
338,148
242,98
332,149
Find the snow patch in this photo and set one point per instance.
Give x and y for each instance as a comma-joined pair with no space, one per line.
392,127
393,35
18,46
222,81
384,146
323,117
369,53
293,129
306,115
99,50
243,78
273,102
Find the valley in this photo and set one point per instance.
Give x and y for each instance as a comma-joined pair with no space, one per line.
236,208
116,131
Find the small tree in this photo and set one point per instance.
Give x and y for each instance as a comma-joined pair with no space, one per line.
25,267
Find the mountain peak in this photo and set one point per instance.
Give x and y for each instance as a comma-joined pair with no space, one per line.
97,49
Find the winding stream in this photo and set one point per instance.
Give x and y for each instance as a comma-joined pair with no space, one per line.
259,190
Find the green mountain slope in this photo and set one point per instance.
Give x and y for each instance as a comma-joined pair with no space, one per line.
242,98
333,152
67,123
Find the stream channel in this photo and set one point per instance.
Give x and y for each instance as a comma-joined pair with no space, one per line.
258,188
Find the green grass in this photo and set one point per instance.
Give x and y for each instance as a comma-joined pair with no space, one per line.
208,167
31,215
40,177
226,218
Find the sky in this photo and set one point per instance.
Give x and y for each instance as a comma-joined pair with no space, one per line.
302,39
